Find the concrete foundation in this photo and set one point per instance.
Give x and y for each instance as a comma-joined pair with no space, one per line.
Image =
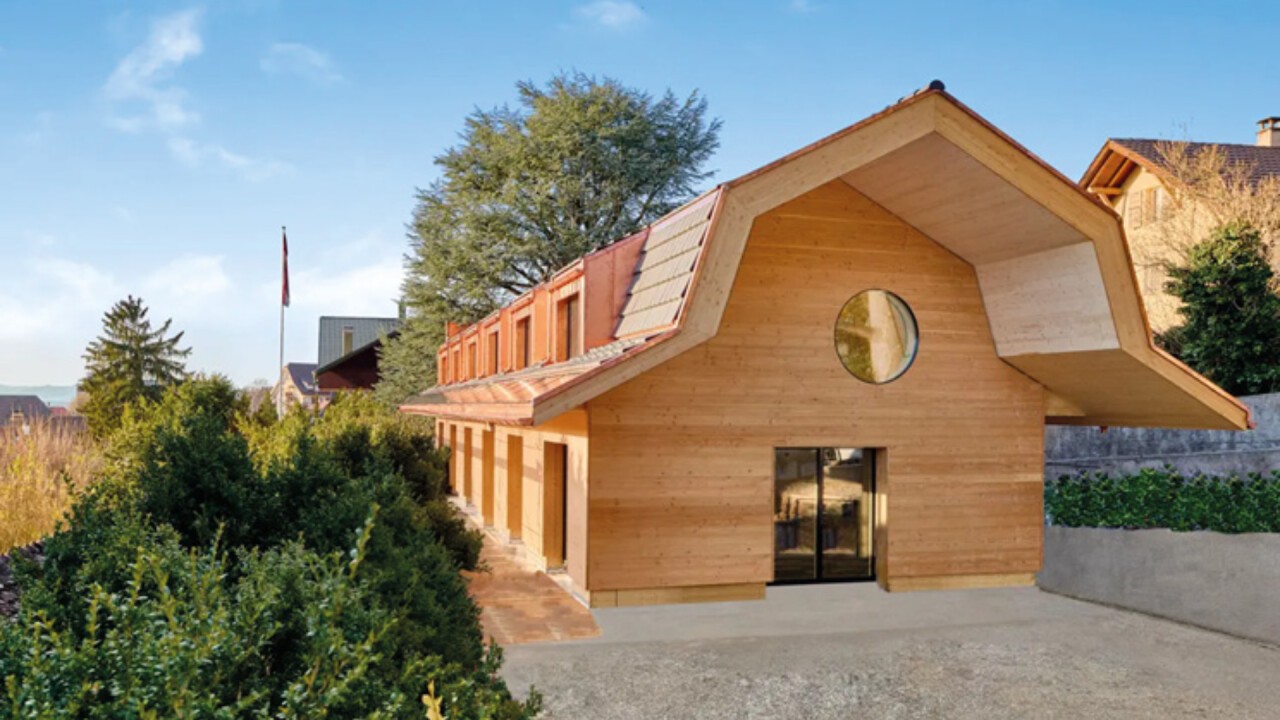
1229,583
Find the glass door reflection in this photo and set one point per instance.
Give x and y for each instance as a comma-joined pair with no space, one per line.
824,505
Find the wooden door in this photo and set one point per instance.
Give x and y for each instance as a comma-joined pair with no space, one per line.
555,477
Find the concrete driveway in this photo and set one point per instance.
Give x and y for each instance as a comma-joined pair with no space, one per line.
853,651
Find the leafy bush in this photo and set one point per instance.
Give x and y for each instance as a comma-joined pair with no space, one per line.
293,636
1164,498
188,473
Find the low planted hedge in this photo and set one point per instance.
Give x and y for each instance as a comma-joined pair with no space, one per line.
1165,498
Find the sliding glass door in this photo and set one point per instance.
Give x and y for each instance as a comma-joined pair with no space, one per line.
824,505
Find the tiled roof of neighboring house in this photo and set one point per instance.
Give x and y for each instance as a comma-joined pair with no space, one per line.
30,406
364,330
303,376
1264,161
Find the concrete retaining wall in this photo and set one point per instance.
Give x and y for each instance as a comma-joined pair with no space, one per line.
1070,450
1229,583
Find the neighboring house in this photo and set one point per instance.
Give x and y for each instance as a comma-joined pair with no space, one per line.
355,370
18,412
340,336
298,385
838,366
1130,176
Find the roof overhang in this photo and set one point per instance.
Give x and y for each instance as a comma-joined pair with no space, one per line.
1113,165
1051,260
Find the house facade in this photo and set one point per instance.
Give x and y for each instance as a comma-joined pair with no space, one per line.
1131,175
836,367
339,336
297,386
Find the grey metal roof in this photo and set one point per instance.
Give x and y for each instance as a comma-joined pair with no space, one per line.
374,344
364,331
31,407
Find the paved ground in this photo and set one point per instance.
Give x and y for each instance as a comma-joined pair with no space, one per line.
519,604
852,651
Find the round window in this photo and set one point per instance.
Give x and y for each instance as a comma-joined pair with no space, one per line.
876,336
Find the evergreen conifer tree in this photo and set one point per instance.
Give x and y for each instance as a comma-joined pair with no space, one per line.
127,362
1232,330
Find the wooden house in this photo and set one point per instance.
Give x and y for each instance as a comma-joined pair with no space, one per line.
838,366
1131,175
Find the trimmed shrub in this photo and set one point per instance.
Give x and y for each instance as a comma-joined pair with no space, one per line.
1164,498
188,473
293,636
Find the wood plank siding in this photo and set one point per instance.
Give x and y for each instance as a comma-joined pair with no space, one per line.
682,456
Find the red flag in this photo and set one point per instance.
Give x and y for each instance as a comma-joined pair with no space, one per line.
284,288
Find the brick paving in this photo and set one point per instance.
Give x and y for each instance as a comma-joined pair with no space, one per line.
520,605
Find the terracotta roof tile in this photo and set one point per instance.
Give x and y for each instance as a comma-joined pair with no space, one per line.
1265,161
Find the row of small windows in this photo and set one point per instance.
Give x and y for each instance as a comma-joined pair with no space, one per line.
568,345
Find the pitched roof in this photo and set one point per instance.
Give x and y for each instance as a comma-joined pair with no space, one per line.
364,330
662,276
912,158
30,406
1108,168
303,376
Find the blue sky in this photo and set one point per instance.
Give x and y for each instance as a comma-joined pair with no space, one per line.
157,148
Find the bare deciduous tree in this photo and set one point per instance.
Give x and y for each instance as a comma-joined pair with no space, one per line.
1211,191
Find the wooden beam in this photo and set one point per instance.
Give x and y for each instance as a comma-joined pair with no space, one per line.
959,582
664,596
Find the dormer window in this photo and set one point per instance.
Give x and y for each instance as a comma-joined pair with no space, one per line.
523,341
471,360
348,339
568,332
492,368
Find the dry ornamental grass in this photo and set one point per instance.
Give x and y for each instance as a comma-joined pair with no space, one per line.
39,470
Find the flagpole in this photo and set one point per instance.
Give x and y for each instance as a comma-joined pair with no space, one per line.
280,367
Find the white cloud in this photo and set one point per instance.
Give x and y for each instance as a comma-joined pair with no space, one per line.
144,98
52,305
364,290
190,281
301,60
612,14
141,78
196,154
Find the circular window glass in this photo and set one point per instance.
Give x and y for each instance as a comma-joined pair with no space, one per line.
876,336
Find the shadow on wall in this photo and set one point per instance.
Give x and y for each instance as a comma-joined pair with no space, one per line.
1071,450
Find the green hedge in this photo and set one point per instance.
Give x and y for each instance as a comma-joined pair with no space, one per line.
1165,498
228,566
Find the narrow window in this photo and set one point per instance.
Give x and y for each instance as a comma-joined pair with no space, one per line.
444,369
522,344
471,360
348,339
568,332
493,352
